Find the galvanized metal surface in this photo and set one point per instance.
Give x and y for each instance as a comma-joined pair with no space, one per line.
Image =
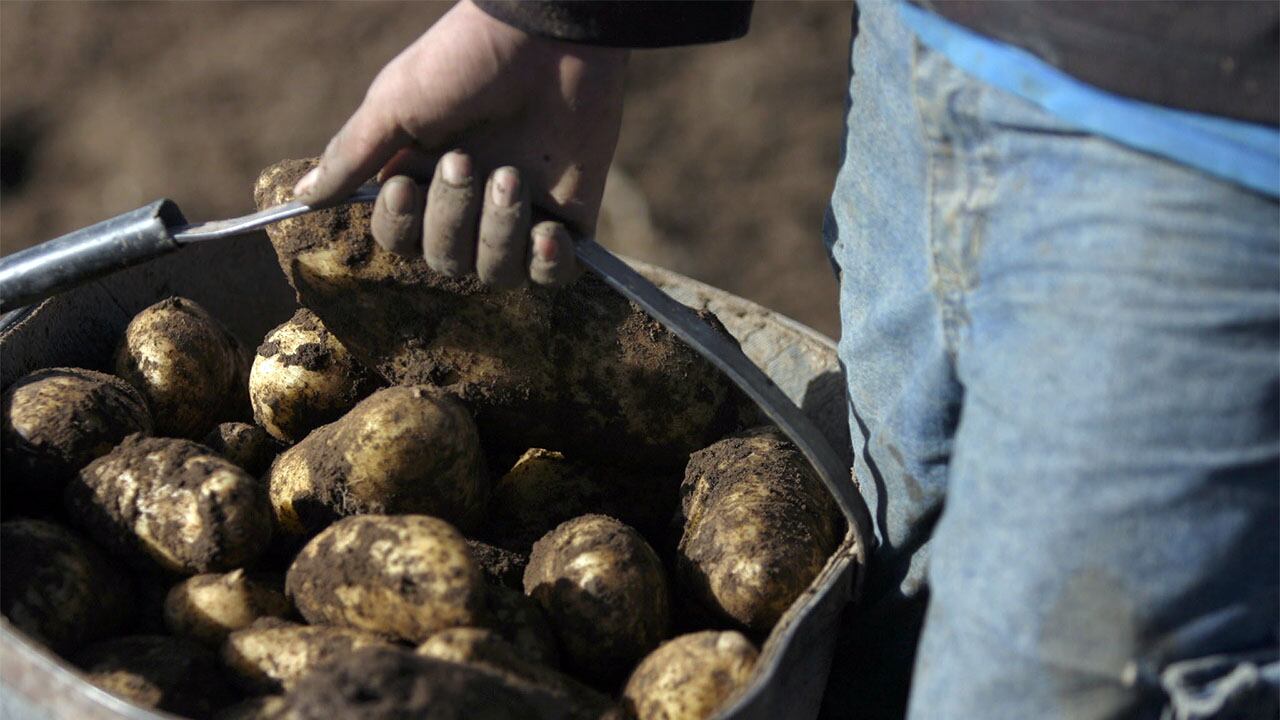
238,281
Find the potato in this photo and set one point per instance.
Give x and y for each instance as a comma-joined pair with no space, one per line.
520,621
304,377
56,421
758,528
272,655
209,607
406,576
57,588
391,683
400,450
499,565
544,489
190,368
484,649
267,707
172,501
246,445
578,370
690,677
158,672
604,591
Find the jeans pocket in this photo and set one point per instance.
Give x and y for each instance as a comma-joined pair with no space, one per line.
1243,686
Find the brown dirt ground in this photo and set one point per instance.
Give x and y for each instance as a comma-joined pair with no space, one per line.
726,159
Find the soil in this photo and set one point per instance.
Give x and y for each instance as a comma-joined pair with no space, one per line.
723,170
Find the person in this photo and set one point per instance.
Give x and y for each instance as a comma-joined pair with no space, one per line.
1058,243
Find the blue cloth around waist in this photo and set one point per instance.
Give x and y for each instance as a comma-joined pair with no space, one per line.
1241,152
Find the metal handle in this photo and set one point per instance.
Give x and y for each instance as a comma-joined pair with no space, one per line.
60,264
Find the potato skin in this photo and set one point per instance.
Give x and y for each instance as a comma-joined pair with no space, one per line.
405,576
155,671
172,501
304,377
596,372
689,677
208,607
58,588
248,446
58,420
272,655
604,591
190,368
758,528
400,450
486,650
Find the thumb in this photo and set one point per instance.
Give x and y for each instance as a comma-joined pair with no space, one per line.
364,144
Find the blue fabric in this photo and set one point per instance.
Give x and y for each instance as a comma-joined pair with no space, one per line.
1063,364
1242,152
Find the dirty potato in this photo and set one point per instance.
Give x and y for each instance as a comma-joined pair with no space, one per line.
690,677
158,672
392,683
577,369
544,488
603,590
520,621
758,528
406,576
273,655
400,450
57,588
172,501
56,421
248,446
267,707
304,377
190,368
486,650
209,607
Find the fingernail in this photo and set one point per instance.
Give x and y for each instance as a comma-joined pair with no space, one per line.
307,183
399,195
545,245
505,184
456,168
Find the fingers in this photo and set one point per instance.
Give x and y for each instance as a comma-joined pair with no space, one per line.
464,230
368,139
504,231
551,258
449,225
397,216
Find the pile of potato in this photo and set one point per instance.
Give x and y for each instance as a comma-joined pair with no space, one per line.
383,523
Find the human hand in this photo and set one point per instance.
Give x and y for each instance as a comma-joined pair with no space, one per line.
539,117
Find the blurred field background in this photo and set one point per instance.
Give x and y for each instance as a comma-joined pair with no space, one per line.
723,171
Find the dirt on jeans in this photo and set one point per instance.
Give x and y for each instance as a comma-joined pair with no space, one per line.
723,171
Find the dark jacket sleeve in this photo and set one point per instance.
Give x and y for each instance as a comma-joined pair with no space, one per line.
626,23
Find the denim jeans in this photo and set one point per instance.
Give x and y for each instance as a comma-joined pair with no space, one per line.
1063,359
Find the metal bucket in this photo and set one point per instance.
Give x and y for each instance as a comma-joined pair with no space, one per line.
240,283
